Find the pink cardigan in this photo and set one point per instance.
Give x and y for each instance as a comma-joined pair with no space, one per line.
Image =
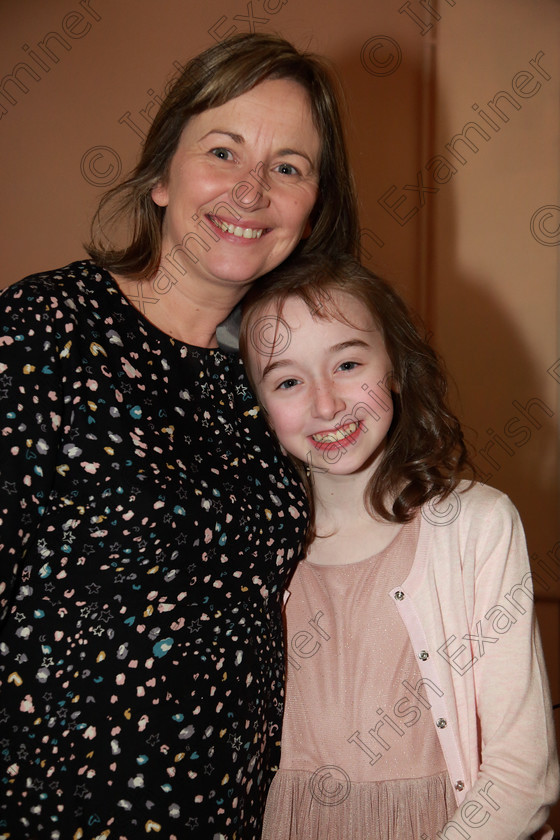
468,608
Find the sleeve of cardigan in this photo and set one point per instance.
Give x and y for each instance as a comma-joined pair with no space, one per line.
518,777
31,405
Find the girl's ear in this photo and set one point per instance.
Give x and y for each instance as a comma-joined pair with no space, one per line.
391,383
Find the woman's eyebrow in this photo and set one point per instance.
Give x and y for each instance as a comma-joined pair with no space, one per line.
298,153
238,138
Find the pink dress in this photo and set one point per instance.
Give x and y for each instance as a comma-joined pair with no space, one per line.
360,755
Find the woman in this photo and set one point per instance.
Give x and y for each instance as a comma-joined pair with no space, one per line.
148,520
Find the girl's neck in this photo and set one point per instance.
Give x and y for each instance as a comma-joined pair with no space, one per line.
339,498
346,531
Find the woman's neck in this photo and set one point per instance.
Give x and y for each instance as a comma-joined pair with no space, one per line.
186,315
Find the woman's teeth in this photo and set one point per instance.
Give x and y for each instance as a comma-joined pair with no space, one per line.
339,434
244,233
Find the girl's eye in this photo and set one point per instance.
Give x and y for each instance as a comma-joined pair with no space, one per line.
287,169
222,154
348,365
288,383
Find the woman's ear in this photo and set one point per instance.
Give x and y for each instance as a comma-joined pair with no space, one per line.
307,230
160,194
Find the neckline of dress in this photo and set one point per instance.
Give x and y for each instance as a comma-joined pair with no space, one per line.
145,322
406,527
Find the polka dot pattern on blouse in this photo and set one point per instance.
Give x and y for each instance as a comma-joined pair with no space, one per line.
149,523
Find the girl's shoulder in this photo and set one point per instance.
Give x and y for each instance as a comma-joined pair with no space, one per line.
474,495
471,511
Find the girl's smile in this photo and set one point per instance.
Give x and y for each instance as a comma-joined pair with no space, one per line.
334,438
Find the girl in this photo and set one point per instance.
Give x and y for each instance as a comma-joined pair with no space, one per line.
417,703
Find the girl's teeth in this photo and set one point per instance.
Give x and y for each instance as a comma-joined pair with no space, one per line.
340,434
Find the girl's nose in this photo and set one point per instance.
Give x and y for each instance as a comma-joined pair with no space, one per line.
327,403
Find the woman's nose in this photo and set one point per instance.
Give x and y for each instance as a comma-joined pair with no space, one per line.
252,191
327,403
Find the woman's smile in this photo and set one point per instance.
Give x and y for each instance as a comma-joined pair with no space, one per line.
235,229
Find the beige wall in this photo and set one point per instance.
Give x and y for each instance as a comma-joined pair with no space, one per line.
477,252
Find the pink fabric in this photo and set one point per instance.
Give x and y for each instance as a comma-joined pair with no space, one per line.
468,603
349,662
302,806
350,723
468,609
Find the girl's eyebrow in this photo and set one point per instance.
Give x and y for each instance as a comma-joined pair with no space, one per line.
336,348
271,366
353,342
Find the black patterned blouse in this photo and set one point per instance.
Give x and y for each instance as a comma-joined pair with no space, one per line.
148,524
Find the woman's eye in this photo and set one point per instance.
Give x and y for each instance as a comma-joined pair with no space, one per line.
348,365
222,154
287,169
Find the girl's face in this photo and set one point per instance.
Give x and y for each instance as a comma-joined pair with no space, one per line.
324,384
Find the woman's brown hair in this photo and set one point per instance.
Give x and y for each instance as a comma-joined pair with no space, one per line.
212,78
425,454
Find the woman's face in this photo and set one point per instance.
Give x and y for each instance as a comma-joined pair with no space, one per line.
241,186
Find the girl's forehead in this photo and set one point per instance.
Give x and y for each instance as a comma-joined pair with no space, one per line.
331,305
292,327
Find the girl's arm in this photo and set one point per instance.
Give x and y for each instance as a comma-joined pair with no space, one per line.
518,776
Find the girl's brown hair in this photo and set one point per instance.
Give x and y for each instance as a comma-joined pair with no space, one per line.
425,454
217,75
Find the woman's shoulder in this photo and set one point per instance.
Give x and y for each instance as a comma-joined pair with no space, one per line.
78,276
57,293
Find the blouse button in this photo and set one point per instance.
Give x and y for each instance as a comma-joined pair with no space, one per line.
460,785
423,655
441,723
399,595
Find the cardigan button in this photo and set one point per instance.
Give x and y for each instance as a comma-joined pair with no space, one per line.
460,785
423,655
441,723
399,595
